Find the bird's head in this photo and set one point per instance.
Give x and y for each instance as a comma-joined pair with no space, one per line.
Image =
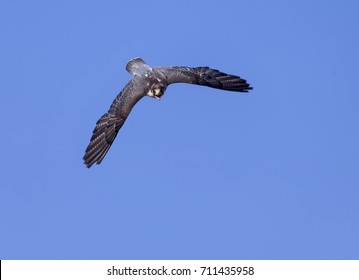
156,91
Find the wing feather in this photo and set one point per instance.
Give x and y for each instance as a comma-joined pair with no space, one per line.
204,76
109,124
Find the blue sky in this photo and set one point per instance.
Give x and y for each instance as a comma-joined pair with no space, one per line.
202,174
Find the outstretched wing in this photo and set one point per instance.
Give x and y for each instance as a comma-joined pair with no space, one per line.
109,124
204,76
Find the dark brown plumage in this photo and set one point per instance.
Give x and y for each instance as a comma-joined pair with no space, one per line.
153,83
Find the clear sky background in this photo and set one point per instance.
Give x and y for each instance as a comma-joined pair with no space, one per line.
202,174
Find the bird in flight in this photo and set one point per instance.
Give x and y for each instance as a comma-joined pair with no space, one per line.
150,81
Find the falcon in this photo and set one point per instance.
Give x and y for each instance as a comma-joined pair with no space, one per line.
152,82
